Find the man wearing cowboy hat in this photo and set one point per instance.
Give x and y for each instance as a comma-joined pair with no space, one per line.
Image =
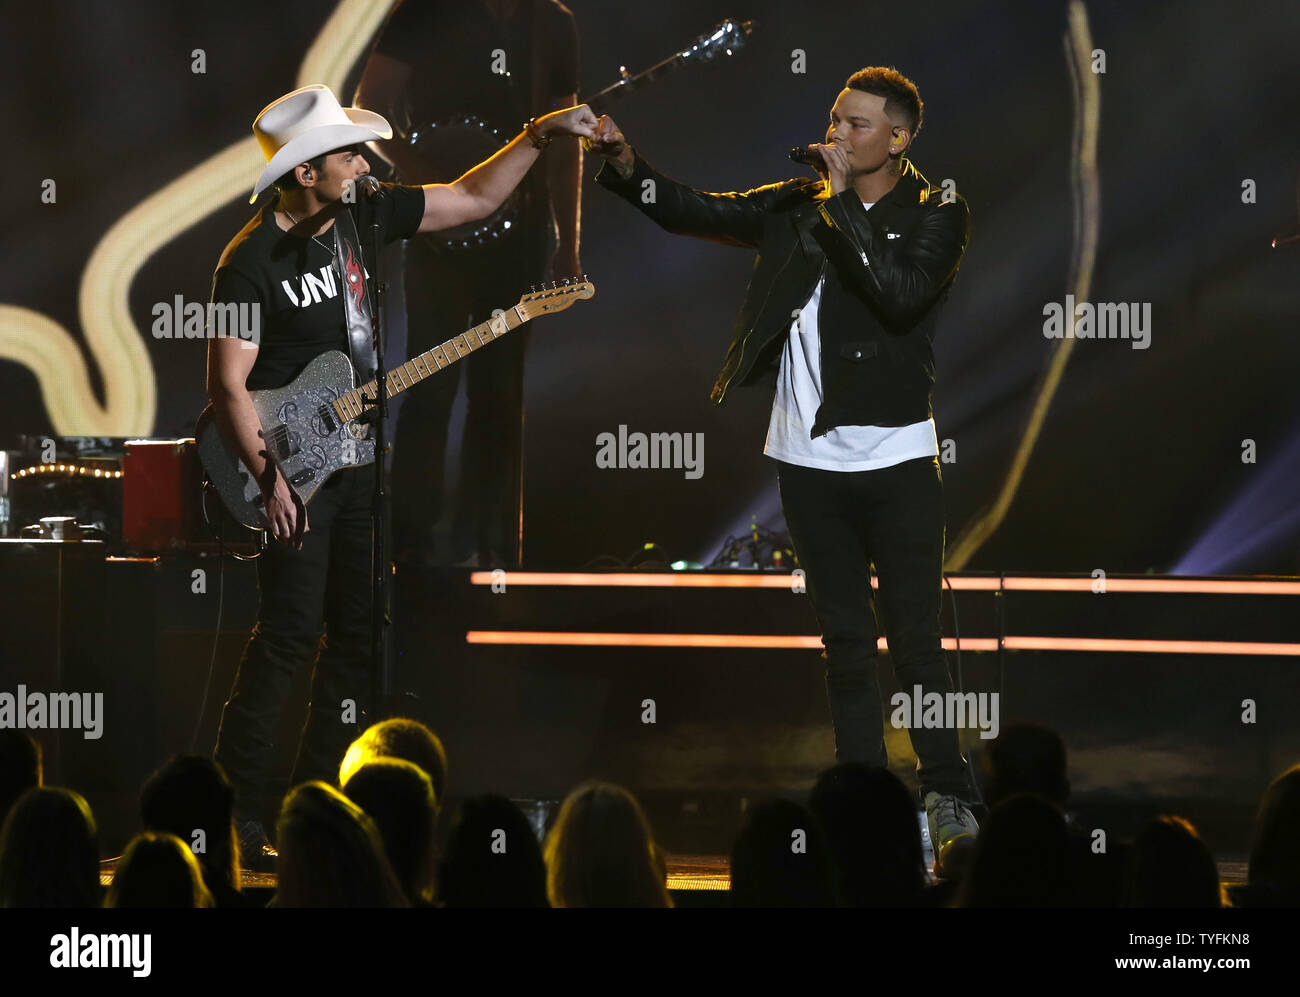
315,582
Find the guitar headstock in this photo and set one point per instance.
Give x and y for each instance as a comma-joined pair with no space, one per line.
725,39
546,299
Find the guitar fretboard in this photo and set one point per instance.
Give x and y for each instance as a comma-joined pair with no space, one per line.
351,405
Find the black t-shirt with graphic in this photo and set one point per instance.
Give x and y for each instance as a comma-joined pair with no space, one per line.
299,294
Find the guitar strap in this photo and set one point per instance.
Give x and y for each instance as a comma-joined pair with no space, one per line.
356,297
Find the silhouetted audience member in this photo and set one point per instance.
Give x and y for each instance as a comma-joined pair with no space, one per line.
331,854
781,859
1025,758
404,738
158,870
491,858
601,852
49,853
1169,866
1020,857
20,767
191,793
871,823
398,796
1030,758
1274,878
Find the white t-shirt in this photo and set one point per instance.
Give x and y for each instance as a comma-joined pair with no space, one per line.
799,395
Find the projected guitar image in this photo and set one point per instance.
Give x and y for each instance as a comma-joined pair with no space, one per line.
319,423
449,147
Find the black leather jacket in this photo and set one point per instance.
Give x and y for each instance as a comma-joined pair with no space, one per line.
887,271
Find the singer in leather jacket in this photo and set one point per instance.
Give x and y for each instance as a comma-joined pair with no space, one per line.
893,267
865,256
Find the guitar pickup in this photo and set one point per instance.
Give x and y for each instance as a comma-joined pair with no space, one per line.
306,474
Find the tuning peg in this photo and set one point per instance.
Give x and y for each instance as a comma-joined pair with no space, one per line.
566,281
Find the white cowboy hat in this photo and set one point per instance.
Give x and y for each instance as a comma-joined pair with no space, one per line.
306,123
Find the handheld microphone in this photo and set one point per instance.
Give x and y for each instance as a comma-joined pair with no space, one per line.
808,157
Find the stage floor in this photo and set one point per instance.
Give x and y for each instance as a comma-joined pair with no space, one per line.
685,872
702,693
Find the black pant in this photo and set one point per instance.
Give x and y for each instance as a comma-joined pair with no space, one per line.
841,522
445,295
314,599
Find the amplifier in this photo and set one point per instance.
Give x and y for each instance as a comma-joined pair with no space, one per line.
163,502
161,490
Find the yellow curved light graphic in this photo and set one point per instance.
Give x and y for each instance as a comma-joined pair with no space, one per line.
118,348
1087,210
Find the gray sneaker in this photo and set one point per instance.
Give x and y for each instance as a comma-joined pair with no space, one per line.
948,819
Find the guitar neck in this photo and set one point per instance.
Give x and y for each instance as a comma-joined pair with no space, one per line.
353,403
601,102
726,38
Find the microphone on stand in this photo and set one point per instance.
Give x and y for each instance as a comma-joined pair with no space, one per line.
369,187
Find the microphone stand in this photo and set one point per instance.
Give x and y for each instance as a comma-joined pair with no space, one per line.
379,681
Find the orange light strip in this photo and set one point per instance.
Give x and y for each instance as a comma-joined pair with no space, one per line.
1124,645
634,579
579,639
1120,645
772,641
1170,586
765,580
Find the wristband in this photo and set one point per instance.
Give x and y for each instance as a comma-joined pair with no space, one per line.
539,140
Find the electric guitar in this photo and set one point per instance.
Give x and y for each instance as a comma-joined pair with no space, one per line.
320,423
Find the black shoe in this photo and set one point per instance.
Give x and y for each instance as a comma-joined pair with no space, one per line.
256,853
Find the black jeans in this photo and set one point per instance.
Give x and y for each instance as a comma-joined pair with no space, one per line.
841,522
313,600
